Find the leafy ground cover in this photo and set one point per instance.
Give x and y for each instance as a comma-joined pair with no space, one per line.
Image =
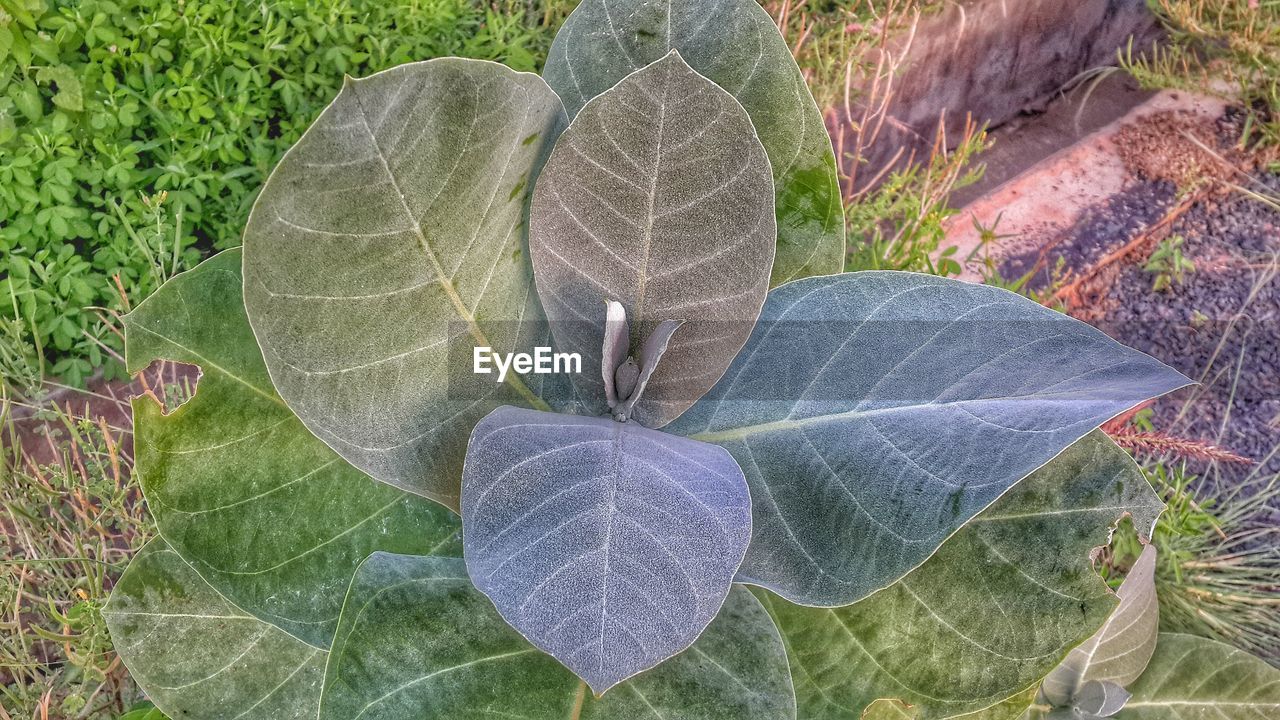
134,136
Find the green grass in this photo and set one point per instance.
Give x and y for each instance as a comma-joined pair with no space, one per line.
1226,47
106,106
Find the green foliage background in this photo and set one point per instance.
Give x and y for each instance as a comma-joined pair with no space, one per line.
106,104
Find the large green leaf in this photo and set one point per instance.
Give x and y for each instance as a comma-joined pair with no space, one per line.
658,196
992,612
263,510
389,242
1122,647
875,413
1193,678
418,641
737,46
198,656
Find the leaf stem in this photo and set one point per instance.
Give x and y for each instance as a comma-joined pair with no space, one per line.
578,699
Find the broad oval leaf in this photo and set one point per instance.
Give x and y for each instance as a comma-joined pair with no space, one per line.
736,45
417,640
1192,677
658,196
1122,647
200,657
265,512
990,613
386,244
609,545
875,413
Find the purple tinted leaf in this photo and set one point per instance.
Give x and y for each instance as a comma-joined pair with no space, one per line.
658,196
617,344
625,378
1101,699
654,346
608,545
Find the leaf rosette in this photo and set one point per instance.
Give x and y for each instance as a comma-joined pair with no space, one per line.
880,453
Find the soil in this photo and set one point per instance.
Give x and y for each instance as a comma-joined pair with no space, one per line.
1220,326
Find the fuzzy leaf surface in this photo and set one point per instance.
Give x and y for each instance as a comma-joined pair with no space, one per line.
608,545
389,242
1122,647
875,413
262,509
1193,678
736,45
200,657
992,612
418,640
658,196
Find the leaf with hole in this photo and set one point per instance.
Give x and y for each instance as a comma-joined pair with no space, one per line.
390,236
264,511
658,197
608,545
1122,647
417,640
880,411
736,45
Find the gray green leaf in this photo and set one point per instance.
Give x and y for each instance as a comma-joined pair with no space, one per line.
200,657
659,197
875,413
735,44
264,511
386,244
418,640
1193,678
1122,647
990,613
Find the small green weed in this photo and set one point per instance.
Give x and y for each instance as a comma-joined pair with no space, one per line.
134,135
1167,263
899,224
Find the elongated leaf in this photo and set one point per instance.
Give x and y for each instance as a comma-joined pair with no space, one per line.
200,657
1191,678
737,46
418,641
617,344
264,511
658,196
385,245
608,545
992,612
1122,647
875,413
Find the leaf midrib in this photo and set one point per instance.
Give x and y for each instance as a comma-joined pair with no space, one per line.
795,423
